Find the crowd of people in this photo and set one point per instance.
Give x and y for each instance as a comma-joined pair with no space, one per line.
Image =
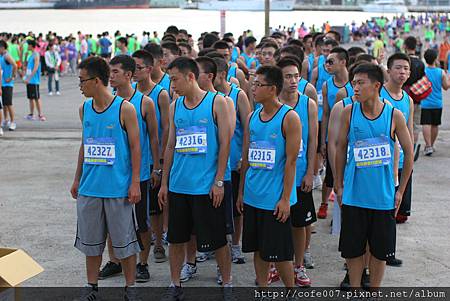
216,150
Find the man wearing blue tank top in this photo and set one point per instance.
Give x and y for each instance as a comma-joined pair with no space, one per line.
399,69
110,151
8,74
158,75
364,182
195,161
242,109
336,65
303,213
160,97
271,145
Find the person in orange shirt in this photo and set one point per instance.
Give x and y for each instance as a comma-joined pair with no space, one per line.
444,47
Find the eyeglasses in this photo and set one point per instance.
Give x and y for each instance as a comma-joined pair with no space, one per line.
258,84
329,62
82,81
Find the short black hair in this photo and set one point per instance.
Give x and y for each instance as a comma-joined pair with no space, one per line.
146,56
249,40
220,45
209,39
123,40
221,64
186,45
185,65
96,67
331,42
213,54
306,37
205,51
410,43
31,43
288,61
169,38
3,44
155,50
208,65
364,57
273,76
354,51
172,47
126,62
296,42
336,34
374,72
341,53
270,44
398,56
294,50
172,29
318,40
227,40
430,56
227,35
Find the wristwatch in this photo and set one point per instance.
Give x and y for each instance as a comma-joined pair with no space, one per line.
218,183
157,171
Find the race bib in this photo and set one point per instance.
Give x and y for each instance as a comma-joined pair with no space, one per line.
99,151
320,98
192,140
28,72
261,155
300,151
372,152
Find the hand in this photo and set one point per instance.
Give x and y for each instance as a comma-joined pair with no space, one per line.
155,180
162,196
240,204
134,193
26,81
216,194
338,194
307,183
8,80
323,150
283,210
74,189
398,201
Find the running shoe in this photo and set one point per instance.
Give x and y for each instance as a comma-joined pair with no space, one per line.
228,292
187,272
400,218
12,126
394,262
428,151
89,294
274,276
173,293
29,117
236,255
307,260
131,294
317,182
365,279
58,93
1,132
42,118
110,269
219,279
301,279
164,238
345,284
322,213
50,93
142,274
5,123
159,254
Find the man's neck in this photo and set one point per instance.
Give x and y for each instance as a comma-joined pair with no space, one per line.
103,98
210,88
270,106
393,88
125,91
410,52
223,87
372,107
157,75
341,77
288,98
194,95
145,86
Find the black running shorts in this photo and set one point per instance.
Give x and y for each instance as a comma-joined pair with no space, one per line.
303,213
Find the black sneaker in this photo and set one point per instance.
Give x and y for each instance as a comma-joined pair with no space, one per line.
173,293
110,269
131,294
365,279
89,294
394,262
345,284
142,274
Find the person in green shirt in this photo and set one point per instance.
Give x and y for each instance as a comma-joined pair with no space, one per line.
92,45
132,43
429,34
407,27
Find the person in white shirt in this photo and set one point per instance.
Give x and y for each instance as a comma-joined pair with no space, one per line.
53,62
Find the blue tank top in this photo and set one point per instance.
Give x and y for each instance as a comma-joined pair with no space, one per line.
302,160
146,154
347,101
434,100
248,60
7,69
322,76
234,55
197,147
267,158
165,83
236,141
310,65
36,79
227,175
403,106
231,72
107,157
368,177
302,84
332,91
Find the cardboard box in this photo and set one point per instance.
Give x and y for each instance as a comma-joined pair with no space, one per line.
16,266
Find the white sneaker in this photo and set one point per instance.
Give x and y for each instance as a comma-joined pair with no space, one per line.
12,126
307,260
1,132
5,123
219,276
317,182
236,255
50,93
58,93
187,272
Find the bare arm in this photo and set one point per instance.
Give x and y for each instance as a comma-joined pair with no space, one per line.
445,81
10,60
333,134
223,124
36,65
325,116
341,94
235,81
245,164
341,153
314,76
243,83
311,92
411,119
232,115
305,68
164,104
79,170
312,145
152,129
